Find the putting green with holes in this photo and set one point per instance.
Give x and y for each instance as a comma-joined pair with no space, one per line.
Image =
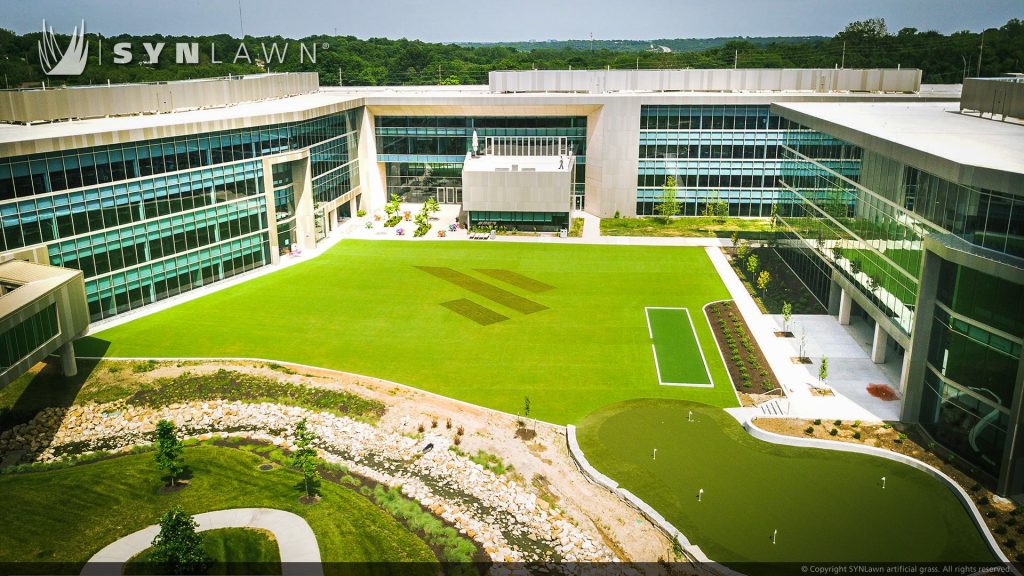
827,506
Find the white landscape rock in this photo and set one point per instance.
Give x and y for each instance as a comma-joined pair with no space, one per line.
488,508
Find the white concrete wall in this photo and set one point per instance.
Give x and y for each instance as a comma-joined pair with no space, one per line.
517,191
775,79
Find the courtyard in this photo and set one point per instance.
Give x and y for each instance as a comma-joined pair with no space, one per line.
486,323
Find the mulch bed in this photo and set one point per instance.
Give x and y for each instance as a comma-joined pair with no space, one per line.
744,359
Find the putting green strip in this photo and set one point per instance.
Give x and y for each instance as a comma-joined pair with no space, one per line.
480,314
481,288
678,357
516,279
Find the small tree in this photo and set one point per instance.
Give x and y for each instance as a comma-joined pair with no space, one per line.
735,239
742,252
668,206
752,265
823,370
762,282
392,207
431,206
168,450
787,313
803,342
304,458
177,547
526,406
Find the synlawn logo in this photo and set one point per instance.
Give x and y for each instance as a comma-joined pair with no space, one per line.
71,61
67,62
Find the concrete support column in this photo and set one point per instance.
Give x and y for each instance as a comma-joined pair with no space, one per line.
68,365
845,307
879,344
905,372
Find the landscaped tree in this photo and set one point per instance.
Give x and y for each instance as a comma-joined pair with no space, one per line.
668,206
392,207
787,314
762,282
431,206
177,547
304,458
742,252
168,450
752,265
823,370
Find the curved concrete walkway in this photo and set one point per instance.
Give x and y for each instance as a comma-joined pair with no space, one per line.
295,540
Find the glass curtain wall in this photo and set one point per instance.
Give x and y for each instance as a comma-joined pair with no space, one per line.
423,154
729,153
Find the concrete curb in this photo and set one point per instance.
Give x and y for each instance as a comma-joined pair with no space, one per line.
692,552
751,427
300,553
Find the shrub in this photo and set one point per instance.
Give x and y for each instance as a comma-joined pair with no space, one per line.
360,213
990,514
983,501
856,424
856,435
817,421
1011,521
975,487
838,422
833,432
448,424
421,428
809,430
1001,530
460,431
433,423
457,440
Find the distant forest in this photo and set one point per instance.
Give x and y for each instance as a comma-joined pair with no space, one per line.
672,44
380,61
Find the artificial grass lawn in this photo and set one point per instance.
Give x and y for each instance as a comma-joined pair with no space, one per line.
67,515
679,356
365,307
685,226
827,506
230,550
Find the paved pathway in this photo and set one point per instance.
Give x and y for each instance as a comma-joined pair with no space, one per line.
300,553
799,380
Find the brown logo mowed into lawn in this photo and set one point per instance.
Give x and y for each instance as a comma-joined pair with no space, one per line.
481,288
480,314
516,279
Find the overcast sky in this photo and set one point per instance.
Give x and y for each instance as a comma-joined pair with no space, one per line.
502,20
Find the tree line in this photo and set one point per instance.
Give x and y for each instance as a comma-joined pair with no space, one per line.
348,60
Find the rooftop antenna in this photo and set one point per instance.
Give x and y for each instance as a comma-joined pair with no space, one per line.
240,27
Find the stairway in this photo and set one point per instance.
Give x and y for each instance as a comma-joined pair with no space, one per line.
777,407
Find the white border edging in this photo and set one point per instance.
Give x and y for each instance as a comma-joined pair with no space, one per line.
965,499
692,552
700,350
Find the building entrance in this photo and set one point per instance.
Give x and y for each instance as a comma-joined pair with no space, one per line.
449,195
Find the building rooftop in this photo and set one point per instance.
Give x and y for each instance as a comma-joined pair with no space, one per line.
933,136
31,281
493,163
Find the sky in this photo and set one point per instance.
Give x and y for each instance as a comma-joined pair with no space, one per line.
504,20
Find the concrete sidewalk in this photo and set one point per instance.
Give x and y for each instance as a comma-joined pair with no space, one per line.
850,369
300,554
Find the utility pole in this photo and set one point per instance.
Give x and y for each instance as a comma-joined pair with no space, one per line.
843,65
439,74
735,59
981,49
339,76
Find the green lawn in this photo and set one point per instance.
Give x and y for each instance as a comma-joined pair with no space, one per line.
685,226
230,550
826,506
566,325
676,348
100,502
